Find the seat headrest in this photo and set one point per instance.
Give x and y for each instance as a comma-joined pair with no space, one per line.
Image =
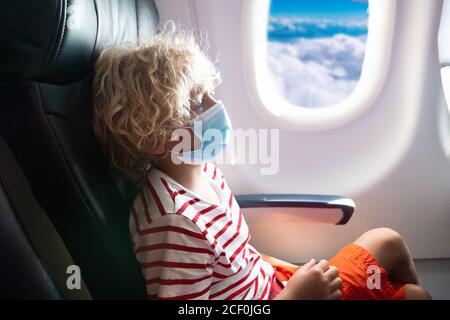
57,41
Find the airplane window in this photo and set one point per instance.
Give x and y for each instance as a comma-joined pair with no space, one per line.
313,65
315,49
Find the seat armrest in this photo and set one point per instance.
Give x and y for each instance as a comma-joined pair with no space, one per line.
328,203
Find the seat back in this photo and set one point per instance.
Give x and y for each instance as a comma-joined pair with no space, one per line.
48,51
34,258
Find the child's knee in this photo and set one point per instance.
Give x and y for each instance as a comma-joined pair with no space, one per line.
416,292
382,237
389,238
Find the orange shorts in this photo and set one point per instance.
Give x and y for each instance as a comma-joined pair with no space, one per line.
355,265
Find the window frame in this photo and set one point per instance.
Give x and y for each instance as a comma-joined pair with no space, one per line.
279,112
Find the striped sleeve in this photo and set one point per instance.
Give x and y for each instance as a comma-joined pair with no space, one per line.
176,259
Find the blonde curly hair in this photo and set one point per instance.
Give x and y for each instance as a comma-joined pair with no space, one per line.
141,93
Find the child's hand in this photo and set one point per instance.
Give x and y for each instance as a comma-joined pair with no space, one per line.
313,282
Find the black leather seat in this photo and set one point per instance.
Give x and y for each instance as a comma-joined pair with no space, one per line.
48,50
34,258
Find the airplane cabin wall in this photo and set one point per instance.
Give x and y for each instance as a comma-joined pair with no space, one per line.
394,160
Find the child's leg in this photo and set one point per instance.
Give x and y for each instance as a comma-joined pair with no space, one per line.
388,247
415,292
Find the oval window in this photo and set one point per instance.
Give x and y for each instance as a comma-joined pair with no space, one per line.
313,65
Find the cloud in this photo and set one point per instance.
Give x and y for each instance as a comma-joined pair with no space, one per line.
315,72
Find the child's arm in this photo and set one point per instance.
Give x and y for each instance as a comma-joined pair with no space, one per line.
284,269
278,262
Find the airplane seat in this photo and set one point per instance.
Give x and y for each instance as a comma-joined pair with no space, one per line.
34,258
48,51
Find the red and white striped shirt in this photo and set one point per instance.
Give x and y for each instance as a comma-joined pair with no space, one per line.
189,248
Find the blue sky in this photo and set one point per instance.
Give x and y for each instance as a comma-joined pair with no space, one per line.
330,9
316,49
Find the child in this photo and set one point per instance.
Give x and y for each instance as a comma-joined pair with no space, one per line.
187,230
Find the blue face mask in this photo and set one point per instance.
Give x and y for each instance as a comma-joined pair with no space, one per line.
212,128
